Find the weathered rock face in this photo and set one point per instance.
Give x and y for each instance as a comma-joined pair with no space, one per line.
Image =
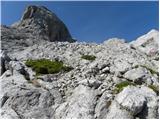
37,24
134,102
75,108
89,90
40,20
147,43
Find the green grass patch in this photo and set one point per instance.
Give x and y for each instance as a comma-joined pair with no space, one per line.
150,69
122,85
88,57
45,66
154,88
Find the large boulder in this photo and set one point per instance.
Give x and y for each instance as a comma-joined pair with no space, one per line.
80,105
103,104
20,67
135,102
22,99
137,74
29,103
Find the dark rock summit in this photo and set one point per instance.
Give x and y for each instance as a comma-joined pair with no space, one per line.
38,24
45,23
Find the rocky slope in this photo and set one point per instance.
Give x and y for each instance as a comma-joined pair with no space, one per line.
122,81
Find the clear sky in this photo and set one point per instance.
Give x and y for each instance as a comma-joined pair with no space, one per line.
94,21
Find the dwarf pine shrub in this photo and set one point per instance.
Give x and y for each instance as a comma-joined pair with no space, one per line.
45,66
88,57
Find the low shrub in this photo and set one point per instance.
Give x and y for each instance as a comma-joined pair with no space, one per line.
122,85
45,66
88,57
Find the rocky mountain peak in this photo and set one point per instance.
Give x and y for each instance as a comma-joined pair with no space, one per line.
41,79
41,21
35,11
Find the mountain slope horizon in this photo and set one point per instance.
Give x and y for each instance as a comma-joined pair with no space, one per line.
95,21
46,74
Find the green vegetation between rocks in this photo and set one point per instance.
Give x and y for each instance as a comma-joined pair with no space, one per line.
122,85
45,66
88,57
154,88
150,69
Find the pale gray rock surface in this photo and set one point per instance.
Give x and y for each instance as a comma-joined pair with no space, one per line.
117,113
87,91
136,74
103,104
147,43
139,102
75,108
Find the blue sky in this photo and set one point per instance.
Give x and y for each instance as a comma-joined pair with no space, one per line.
94,21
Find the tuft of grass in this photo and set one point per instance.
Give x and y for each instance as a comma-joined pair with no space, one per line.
45,66
150,69
154,88
88,57
122,85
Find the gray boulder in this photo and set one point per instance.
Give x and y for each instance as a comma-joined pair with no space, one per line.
30,103
80,105
116,112
22,69
137,75
139,102
21,99
120,66
103,105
